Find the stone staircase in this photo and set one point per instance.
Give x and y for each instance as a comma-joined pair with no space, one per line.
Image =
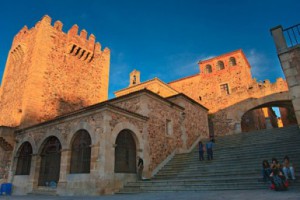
236,165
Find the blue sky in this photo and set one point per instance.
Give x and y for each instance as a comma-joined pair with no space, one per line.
163,38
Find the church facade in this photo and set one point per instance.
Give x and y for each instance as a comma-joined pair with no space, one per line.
64,137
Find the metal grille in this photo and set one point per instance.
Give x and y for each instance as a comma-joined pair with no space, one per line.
125,153
24,159
224,89
81,153
50,162
292,35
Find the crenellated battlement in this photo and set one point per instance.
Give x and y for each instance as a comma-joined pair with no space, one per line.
79,44
50,72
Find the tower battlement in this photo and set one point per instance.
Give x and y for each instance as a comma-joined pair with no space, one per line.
79,44
52,72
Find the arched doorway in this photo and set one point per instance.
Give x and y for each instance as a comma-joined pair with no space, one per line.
24,159
269,115
125,152
81,152
50,162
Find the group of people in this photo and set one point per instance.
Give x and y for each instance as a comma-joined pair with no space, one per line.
208,148
278,174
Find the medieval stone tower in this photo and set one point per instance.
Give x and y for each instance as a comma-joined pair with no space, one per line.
49,73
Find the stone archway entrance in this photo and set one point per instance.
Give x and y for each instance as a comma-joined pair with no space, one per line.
125,153
264,117
50,162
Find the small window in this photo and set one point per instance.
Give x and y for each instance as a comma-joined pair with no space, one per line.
200,98
232,61
169,127
208,69
224,89
220,65
134,79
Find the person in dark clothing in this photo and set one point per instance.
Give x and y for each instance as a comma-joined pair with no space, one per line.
140,168
209,149
266,170
201,151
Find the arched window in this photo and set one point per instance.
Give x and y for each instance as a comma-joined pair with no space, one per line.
50,162
220,65
24,159
208,69
81,152
125,153
232,61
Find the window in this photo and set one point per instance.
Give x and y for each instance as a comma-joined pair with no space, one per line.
208,69
24,159
232,61
224,89
81,153
220,65
134,79
169,127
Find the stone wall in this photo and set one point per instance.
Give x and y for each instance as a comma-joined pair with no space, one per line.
100,124
195,120
52,73
205,88
158,110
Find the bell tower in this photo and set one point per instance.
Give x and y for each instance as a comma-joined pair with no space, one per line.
135,78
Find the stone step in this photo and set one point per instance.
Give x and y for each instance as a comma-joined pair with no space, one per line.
236,165
44,191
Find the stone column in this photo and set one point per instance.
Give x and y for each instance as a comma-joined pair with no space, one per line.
290,62
237,128
35,170
64,169
268,123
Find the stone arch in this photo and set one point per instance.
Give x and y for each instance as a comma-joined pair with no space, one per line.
235,112
23,154
80,152
82,126
31,141
228,120
138,138
50,154
49,133
125,152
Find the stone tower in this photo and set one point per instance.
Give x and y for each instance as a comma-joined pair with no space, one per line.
49,73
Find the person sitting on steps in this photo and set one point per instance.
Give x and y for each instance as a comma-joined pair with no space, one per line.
288,168
266,170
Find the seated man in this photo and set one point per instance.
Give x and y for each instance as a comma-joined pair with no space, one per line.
288,168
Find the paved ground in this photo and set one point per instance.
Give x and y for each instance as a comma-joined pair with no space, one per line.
205,195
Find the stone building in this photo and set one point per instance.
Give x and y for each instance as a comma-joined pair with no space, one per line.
45,68
226,87
288,51
61,135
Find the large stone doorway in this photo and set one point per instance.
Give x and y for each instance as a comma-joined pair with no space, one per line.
265,117
50,162
125,152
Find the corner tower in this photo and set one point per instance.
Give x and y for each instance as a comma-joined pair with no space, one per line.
49,73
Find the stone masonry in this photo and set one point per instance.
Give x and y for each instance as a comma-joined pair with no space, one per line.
51,73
